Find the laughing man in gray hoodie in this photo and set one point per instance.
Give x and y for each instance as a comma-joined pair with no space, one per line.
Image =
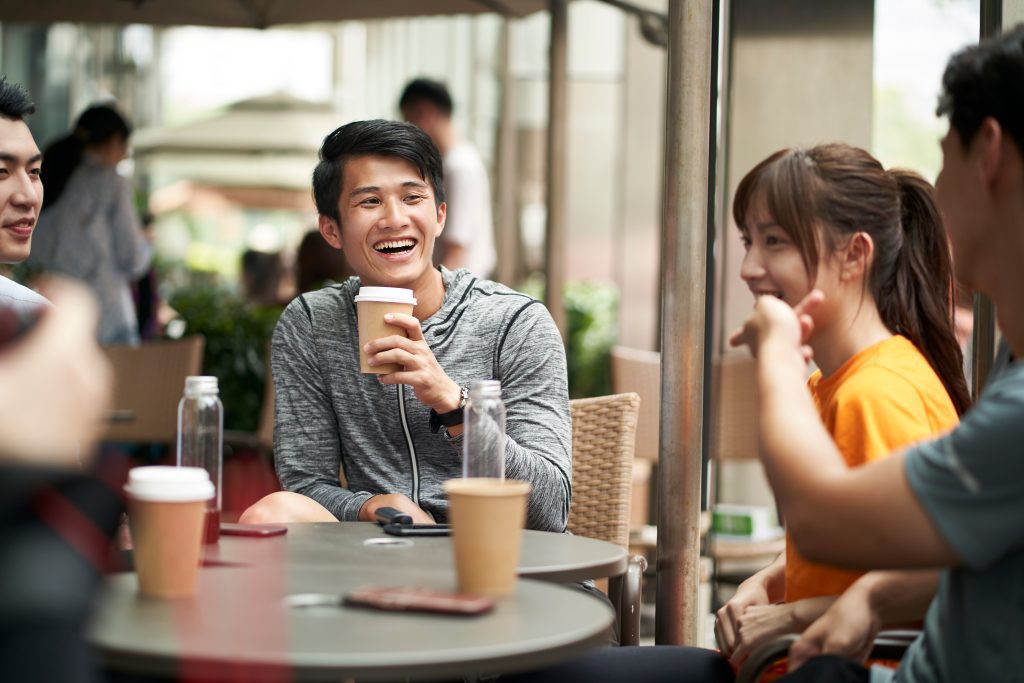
380,194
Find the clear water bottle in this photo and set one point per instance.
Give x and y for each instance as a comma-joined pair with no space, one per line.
201,440
483,440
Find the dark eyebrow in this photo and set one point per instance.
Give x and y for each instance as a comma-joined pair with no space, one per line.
367,189
370,189
9,158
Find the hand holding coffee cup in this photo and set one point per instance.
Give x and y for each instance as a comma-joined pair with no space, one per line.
372,304
167,510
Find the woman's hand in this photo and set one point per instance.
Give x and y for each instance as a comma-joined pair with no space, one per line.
761,623
728,618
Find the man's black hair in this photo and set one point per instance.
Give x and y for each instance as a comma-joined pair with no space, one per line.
425,89
14,101
986,80
373,138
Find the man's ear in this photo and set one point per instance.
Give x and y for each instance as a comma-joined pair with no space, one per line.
988,142
442,214
331,231
857,257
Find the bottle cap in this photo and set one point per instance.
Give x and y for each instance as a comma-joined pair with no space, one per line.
201,384
485,388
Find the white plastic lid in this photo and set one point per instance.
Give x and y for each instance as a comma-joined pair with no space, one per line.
169,484
393,295
200,384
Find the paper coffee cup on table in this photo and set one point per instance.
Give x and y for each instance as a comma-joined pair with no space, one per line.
372,303
167,509
487,518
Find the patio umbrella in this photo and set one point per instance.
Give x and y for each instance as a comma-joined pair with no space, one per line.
247,13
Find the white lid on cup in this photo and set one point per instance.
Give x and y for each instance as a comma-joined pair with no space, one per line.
164,484
391,295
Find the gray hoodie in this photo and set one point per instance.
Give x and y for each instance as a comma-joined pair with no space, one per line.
329,415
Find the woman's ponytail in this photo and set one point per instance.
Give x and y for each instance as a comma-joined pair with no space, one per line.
917,299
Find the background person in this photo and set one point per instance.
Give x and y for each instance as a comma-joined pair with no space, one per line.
318,264
468,238
88,229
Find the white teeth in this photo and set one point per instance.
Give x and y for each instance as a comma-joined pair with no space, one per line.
395,244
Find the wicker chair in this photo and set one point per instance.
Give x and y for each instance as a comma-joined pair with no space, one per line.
148,382
603,438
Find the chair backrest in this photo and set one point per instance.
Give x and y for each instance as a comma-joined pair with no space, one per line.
734,433
639,371
603,438
148,383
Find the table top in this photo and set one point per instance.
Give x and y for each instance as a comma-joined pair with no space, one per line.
561,558
226,632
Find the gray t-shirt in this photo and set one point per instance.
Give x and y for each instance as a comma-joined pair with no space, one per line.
328,414
971,483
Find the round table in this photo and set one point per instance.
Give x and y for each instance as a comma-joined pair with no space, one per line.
241,627
561,558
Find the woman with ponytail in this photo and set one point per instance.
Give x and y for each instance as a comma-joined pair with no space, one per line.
889,366
88,228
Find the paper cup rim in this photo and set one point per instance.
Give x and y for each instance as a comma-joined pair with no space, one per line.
485,487
164,484
388,295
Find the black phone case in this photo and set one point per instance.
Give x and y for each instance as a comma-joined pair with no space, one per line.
418,529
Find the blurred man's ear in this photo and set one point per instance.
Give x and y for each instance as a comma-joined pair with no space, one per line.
331,231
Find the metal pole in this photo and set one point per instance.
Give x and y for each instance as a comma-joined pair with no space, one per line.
554,276
506,226
984,333
692,31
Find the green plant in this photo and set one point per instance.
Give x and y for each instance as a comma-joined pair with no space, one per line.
592,309
237,339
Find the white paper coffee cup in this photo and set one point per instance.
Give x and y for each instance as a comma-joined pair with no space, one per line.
372,304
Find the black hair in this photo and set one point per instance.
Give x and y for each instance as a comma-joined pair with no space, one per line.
425,89
96,125
376,137
14,101
986,80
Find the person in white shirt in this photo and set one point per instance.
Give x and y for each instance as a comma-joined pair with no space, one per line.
468,237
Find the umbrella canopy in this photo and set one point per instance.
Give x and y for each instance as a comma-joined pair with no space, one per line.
272,124
268,141
247,13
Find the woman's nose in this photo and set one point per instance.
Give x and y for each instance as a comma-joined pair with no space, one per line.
750,267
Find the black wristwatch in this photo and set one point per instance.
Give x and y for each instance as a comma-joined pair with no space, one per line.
452,417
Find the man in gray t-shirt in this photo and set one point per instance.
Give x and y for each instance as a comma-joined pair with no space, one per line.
956,502
397,437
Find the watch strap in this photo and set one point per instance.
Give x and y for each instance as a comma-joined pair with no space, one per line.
452,417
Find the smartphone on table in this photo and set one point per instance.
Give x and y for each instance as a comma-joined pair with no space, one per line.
256,530
414,599
418,529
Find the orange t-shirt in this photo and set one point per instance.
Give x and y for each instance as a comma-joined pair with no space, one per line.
881,400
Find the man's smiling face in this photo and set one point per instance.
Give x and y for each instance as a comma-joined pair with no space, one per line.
21,191
389,221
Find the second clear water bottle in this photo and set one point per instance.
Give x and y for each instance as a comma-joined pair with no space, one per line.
201,440
483,440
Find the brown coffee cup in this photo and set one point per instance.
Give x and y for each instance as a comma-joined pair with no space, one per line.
487,518
167,510
372,304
